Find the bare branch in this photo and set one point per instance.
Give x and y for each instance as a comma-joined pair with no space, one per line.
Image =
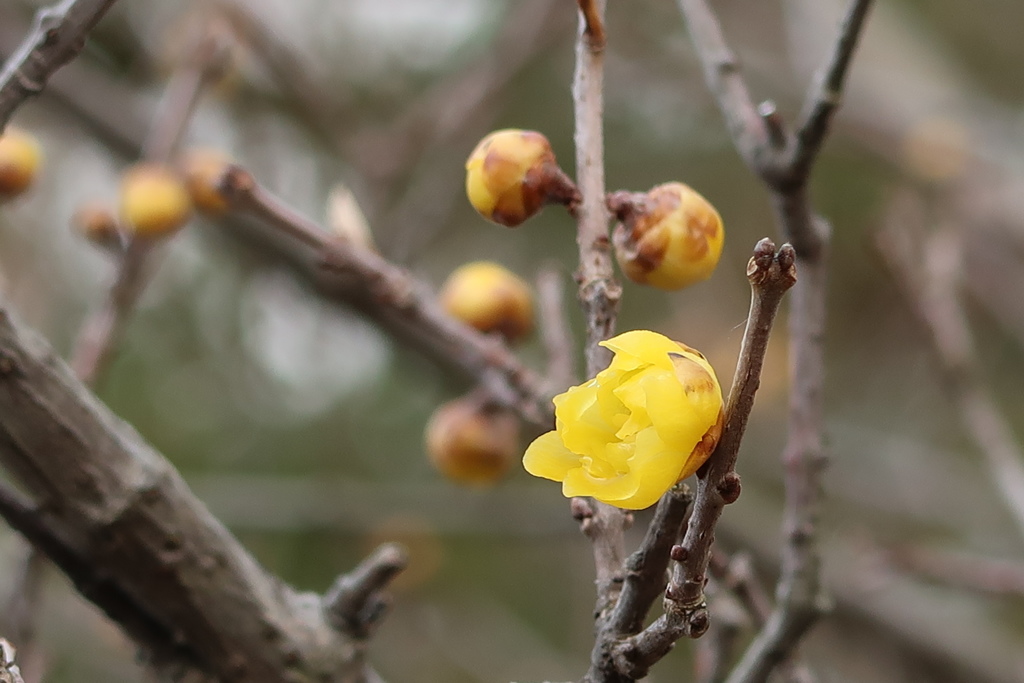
112,499
394,297
928,276
554,329
997,577
58,34
722,73
770,274
593,20
827,92
9,671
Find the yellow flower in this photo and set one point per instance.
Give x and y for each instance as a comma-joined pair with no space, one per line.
627,436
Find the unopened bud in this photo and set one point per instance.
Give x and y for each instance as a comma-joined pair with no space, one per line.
512,174
96,222
154,201
470,443
490,298
20,157
203,169
669,238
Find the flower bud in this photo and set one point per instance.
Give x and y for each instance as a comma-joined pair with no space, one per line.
512,173
203,169
96,222
471,443
669,238
154,200
649,420
490,298
19,161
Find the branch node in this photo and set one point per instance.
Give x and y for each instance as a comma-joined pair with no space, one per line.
778,135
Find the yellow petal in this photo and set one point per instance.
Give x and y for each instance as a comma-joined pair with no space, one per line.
656,467
581,425
643,346
548,457
579,482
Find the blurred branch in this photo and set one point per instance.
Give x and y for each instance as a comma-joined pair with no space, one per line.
394,297
58,34
102,332
966,572
104,495
554,330
714,652
770,274
927,271
783,162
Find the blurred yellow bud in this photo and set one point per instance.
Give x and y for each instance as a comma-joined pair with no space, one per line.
669,238
20,157
490,298
203,169
512,173
470,443
627,436
154,201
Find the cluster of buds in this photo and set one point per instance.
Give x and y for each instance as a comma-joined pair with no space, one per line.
20,158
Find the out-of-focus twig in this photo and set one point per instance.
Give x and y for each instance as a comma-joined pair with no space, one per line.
927,271
966,572
58,34
771,275
715,651
554,330
783,160
101,332
394,297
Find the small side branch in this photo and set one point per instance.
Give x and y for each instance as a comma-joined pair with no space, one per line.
356,602
58,34
770,274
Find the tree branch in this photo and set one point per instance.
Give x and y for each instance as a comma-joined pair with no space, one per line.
770,274
392,296
783,161
355,604
122,507
58,34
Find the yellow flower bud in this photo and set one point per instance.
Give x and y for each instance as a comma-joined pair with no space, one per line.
203,169
470,443
490,298
19,161
154,200
627,436
97,223
669,238
512,173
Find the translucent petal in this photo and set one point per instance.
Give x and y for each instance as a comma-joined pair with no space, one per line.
656,468
606,489
679,423
548,457
582,426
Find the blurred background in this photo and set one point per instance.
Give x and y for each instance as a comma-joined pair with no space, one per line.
300,423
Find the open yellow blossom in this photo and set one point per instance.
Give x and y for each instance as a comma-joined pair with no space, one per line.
627,436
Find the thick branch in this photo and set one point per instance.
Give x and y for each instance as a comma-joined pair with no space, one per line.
58,34
770,275
394,297
122,507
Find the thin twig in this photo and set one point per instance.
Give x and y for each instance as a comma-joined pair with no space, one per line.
783,161
827,92
599,293
102,332
593,19
770,274
58,34
1003,578
395,298
928,276
355,604
554,329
